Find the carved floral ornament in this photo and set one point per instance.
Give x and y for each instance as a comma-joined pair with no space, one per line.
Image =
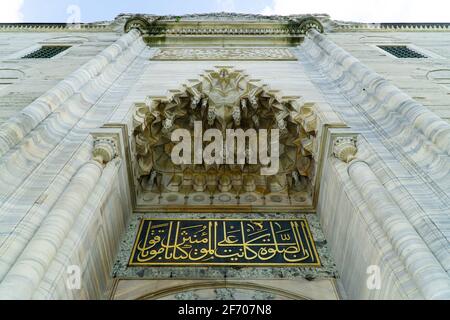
225,98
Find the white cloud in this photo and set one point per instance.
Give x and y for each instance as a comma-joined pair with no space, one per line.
226,5
11,10
368,10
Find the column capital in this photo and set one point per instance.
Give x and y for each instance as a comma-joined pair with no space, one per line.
307,23
105,149
140,23
344,148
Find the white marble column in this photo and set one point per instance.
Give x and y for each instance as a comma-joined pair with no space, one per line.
27,272
425,121
91,220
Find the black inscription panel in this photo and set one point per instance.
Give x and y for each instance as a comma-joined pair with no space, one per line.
214,242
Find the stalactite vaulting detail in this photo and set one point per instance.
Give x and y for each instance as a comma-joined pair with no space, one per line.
226,98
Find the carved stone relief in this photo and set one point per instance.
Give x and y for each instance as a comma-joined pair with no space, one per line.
223,99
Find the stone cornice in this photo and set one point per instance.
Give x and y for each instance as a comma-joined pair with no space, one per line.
202,25
56,27
224,23
340,26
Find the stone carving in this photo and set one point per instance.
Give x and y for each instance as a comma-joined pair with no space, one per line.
227,16
185,25
105,149
224,54
141,23
344,148
302,25
222,99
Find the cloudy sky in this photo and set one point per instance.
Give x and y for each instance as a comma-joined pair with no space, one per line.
352,10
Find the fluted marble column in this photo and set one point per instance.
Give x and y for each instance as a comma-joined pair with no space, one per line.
28,270
429,124
17,127
430,277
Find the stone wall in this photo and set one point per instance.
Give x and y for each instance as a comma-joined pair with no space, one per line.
409,180
92,243
356,240
413,76
40,75
57,127
45,144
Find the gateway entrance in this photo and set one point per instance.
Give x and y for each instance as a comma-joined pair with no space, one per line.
221,229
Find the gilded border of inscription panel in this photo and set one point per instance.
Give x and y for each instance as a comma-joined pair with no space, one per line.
308,236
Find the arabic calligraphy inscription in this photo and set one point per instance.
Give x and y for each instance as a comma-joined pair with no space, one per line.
224,242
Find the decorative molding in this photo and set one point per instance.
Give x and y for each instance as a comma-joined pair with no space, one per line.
395,101
416,26
118,133
56,27
224,17
85,80
429,275
308,23
105,149
224,54
230,24
141,23
344,26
